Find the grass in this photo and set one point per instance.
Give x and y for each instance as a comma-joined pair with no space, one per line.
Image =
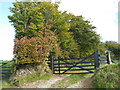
107,77
8,84
35,77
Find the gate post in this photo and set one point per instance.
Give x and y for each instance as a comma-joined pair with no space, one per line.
52,54
96,59
108,58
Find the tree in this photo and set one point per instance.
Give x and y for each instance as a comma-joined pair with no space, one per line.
84,35
37,19
32,32
67,43
26,19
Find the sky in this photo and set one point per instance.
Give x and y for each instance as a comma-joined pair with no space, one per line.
102,13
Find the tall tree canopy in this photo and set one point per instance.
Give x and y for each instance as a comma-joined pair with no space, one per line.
41,28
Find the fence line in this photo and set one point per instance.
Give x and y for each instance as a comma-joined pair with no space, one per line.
6,68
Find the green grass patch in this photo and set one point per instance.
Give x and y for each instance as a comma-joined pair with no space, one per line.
35,77
107,77
8,84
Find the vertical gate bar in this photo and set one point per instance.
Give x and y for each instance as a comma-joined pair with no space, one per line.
96,59
52,64
51,61
59,65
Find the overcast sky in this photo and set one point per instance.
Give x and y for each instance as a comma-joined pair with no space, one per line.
102,13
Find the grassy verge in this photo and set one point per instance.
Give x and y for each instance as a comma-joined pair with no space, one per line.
107,77
8,84
35,77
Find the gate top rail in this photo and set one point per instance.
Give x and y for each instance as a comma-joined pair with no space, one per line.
74,58
68,59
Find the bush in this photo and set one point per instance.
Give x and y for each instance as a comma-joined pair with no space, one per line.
107,77
35,49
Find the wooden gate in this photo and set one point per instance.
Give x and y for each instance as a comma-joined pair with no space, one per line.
78,65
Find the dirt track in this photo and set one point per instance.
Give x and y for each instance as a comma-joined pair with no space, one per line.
84,83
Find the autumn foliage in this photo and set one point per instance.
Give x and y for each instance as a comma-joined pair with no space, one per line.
36,49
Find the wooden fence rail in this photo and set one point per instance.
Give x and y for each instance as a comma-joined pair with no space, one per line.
6,68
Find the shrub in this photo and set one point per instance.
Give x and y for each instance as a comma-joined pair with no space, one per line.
107,77
35,49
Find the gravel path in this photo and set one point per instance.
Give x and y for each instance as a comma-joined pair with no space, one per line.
43,83
84,83
51,81
33,84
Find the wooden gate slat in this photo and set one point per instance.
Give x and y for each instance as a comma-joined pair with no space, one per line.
104,63
102,55
76,73
6,67
76,69
72,63
2,63
69,59
72,66
102,59
6,70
